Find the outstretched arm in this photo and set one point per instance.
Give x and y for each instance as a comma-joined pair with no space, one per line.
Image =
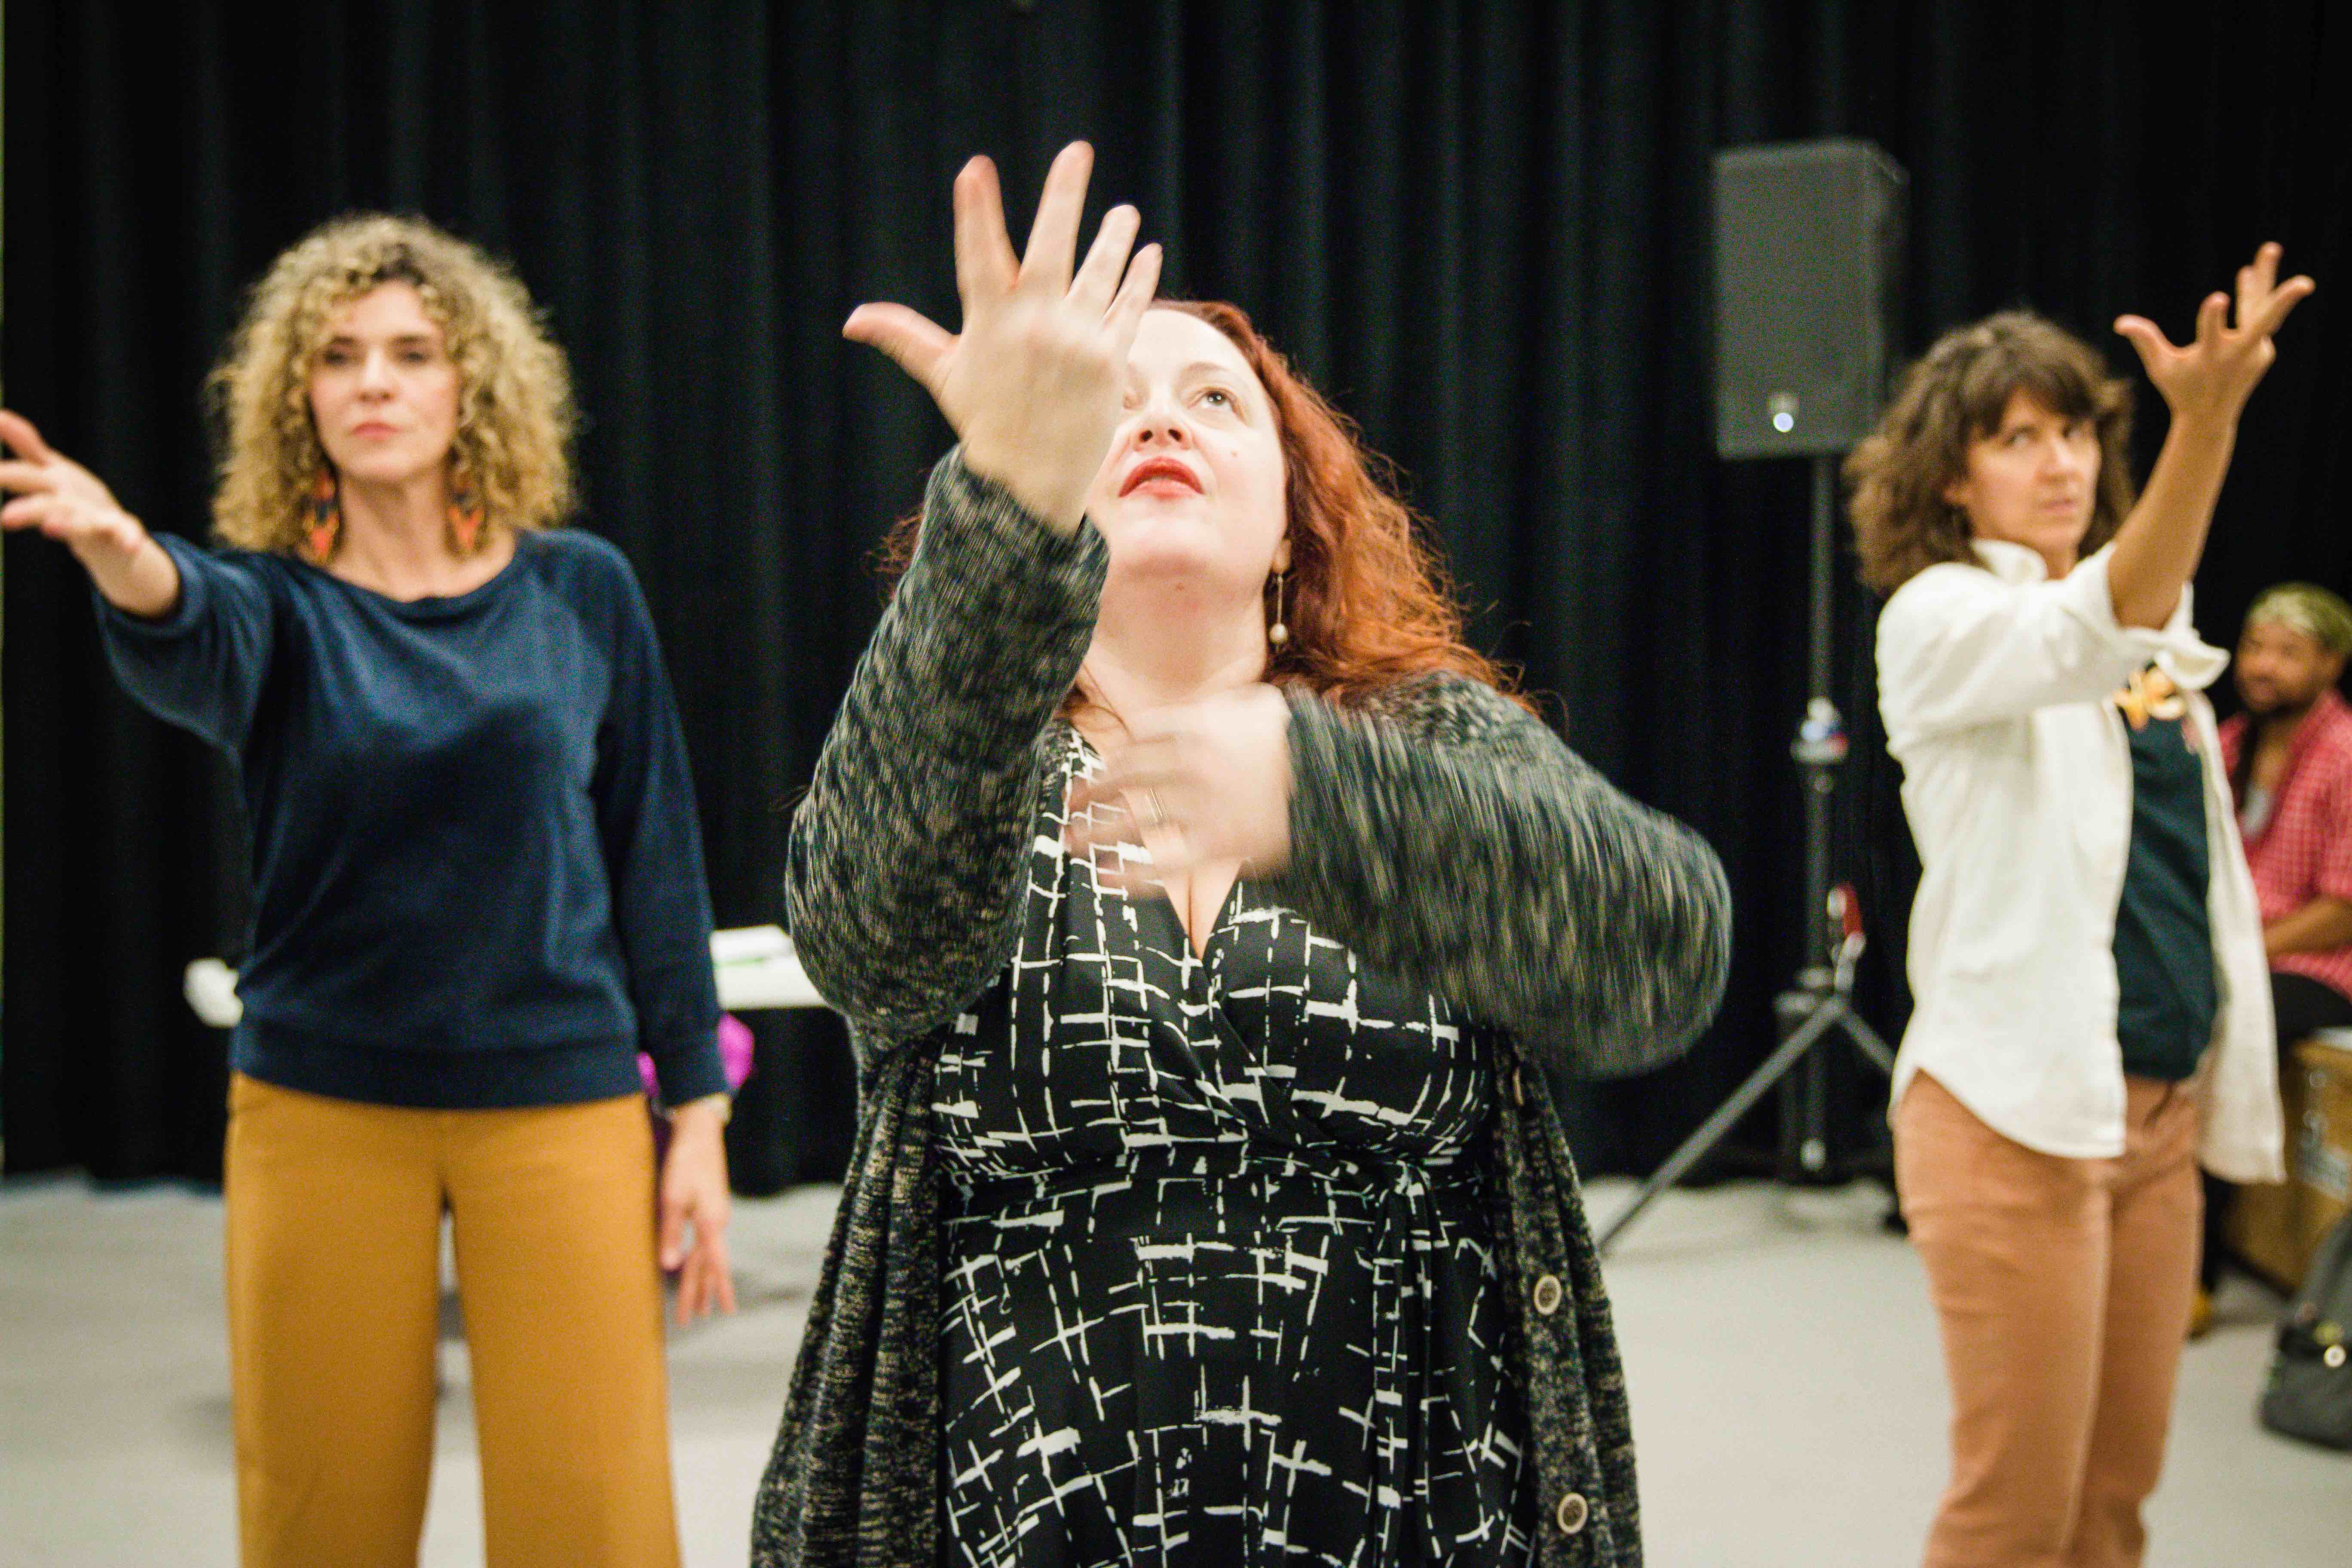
68,503
188,633
2205,385
905,859
905,856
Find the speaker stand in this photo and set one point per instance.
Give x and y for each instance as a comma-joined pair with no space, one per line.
1819,1003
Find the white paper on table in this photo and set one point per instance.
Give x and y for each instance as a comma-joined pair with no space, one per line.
750,944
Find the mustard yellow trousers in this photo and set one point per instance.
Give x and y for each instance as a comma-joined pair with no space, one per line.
335,1216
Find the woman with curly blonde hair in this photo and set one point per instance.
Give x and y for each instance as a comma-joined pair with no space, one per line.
478,896
2093,1009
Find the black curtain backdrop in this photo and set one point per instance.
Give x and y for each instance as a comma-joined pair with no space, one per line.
1483,227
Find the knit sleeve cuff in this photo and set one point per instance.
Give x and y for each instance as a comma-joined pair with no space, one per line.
983,554
687,1069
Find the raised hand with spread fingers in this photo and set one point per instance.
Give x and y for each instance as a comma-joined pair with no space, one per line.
2205,383
1031,385
2212,375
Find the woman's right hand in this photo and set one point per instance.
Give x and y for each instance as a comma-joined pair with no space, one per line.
2212,376
62,499
68,503
1032,384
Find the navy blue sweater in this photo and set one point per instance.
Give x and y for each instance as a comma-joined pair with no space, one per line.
478,876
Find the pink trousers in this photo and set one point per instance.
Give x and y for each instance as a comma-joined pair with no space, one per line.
2064,1289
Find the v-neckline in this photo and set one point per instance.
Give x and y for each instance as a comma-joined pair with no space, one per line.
1193,956
1218,919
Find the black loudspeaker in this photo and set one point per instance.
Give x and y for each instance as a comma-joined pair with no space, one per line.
1808,295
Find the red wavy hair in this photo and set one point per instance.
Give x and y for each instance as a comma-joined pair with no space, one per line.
1368,603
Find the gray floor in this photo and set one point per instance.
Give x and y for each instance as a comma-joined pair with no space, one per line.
1787,1396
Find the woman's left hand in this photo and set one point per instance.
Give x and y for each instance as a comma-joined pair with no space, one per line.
1207,783
694,1194
2211,376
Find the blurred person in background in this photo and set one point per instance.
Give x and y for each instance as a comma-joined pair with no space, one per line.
477,892
2288,756
2091,1006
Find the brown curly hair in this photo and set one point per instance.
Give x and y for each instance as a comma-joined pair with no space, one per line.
515,415
1367,602
1955,395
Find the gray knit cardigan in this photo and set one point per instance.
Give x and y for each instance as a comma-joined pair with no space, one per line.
1441,832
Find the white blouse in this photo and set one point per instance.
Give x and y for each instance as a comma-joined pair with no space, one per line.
2017,780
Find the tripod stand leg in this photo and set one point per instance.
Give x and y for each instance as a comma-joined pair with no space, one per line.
1712,1131
1865,1040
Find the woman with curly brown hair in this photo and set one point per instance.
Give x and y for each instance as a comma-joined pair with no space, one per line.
2091,1006
1206,919
478,894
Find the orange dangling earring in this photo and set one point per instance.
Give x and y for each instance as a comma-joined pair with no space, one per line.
466,514
326,518
1278,633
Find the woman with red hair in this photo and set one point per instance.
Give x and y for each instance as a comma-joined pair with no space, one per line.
1206,917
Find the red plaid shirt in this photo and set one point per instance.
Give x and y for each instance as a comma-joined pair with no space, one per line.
2304,850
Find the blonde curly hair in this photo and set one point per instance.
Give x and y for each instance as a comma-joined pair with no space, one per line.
1956,396
515,415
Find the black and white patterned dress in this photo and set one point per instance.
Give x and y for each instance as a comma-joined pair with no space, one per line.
1218,1280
